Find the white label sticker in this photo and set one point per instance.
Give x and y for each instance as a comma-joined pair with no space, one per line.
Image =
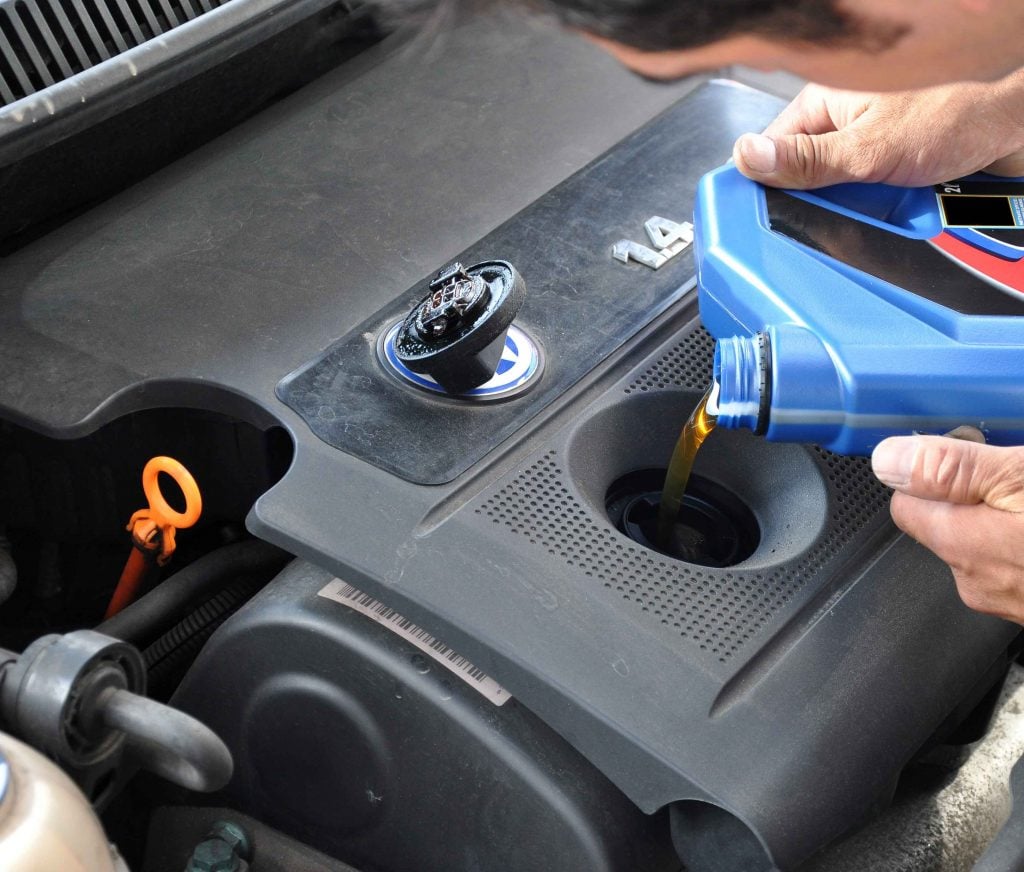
344,593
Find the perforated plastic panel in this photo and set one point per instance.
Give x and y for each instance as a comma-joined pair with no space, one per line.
686,365
718,610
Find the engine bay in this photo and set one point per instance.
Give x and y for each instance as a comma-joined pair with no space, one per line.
416,618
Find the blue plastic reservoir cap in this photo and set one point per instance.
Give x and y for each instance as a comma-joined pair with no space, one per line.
737,373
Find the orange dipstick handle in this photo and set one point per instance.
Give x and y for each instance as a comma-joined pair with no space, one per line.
153,528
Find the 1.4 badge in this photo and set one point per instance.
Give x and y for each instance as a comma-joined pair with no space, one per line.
668,238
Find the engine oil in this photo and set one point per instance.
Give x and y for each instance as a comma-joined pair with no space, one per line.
856,312
696,429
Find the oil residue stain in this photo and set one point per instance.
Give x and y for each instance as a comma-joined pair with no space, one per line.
695,431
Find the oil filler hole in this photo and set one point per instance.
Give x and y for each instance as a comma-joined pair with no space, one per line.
714,527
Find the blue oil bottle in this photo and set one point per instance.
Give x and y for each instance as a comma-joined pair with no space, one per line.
852,313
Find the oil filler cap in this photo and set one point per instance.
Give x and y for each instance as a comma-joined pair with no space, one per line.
457,333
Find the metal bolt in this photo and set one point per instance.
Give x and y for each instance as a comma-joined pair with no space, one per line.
233,835
213,855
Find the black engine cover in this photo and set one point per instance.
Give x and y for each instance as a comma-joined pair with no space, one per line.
348,736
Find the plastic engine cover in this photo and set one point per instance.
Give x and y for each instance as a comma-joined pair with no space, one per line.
771,704
349,736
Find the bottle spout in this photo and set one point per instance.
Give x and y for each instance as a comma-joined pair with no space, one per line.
711,406
741,385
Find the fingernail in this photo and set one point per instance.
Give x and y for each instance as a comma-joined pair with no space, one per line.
758,152
966,433
893,460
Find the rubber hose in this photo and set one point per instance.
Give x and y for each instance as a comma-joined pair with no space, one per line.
168,742
176,596
8,570
169,657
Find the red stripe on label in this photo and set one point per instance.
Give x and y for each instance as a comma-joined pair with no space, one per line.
1010,274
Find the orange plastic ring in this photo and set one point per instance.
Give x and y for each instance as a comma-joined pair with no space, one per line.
158,507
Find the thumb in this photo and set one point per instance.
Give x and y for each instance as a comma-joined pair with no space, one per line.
952,470
798,160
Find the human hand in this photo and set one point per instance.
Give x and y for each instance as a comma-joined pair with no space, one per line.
826,136
965,502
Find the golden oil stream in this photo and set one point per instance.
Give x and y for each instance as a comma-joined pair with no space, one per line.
695,431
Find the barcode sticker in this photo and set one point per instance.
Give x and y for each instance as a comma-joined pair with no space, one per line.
344,593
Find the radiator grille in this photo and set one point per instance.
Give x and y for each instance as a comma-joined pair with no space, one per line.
43,42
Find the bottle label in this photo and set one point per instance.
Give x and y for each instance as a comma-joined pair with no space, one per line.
981,205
